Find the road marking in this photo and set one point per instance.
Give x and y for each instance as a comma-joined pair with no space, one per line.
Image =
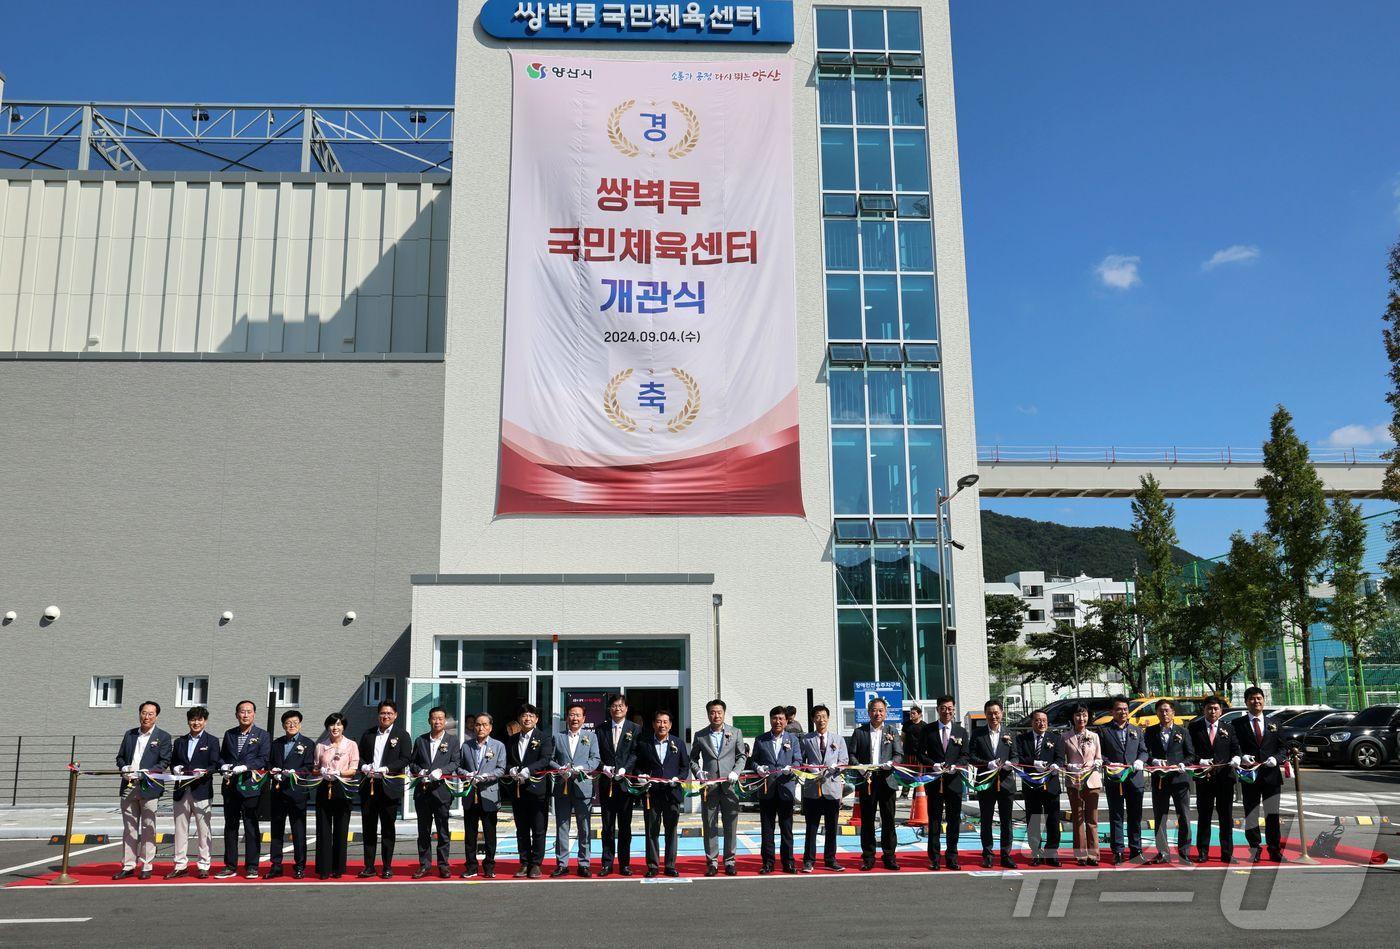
48,860
1146,897
50,919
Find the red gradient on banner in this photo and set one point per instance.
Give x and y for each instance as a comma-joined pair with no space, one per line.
759,477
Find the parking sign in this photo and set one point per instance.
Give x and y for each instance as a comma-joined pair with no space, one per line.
891,692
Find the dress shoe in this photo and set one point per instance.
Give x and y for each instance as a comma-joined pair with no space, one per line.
123,873
323,876
730,870
251,874
201,874
298,873
522,873
789,868
711,870
469,873
145,873
892,865
763,871
606,870
336,876
1052,861
1092,862
1254,855
558,871
1117,859
808,867
986,861
535,873
386,874
489,873
420,873
867,863
1008,862
1080,862
273,874
650,874
1276,856
625,871
672,872
934,865
1036,861
952,862
227,873
176,874
585,872
1160,858
366,873
1138,857
833,867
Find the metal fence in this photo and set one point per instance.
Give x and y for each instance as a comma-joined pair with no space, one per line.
33,768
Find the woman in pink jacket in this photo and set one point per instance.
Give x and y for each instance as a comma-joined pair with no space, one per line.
1082,750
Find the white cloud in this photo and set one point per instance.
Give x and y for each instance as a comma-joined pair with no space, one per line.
1119,271
1358,436
1234,254
1028,409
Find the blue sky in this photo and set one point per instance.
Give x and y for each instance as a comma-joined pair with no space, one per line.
1110,151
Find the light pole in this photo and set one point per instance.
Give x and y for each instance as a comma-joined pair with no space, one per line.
949,675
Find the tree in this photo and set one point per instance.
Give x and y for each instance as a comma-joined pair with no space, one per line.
1005,618
1297,517
1242,595
1157,590
1214,648
1353,612
1107,640
1390,485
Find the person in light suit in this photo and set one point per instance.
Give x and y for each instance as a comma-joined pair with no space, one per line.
774,755
1123,744
191,800
144,748
718,754
483,760
435,755
877,743
576,751
821,796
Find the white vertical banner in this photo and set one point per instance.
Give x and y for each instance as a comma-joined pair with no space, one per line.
650,355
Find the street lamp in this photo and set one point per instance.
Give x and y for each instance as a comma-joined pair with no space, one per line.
951,664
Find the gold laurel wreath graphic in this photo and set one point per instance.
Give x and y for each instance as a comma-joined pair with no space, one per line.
612,409
615,134
691,410
691,138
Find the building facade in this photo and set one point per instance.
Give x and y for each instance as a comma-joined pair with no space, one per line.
292,438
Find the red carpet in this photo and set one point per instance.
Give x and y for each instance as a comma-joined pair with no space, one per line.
689,866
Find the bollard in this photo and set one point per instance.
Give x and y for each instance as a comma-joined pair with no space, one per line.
1304,856
63,879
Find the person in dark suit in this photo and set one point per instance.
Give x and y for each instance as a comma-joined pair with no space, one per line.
617,749
1039,751
293,761
774,755
989,750
434,755
191,800
529,752
663,755
877,743
945,744
246,747
911,733
1169,745
1259,745
483,758
1215,744
143,748
385,754
1123,744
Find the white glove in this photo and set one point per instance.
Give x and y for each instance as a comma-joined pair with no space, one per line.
327,772
1206,760
225,768
1039,765
1272,762
1159,762
1249,759
676,781
1098,763
787,769
179,769
239,768
1235,761
1054,769
580,769
518,772
437,774
733,775
1006,766
367,769
276,770
1137,765
886,766
128,769
1181,767
382,769
644,777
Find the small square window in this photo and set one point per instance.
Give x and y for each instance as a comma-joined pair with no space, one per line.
1036,616
913,205
194,690
890,529
885,353
921,354
838,205
379,689
286,690
851,529
925,529
876,205
847,353
106,692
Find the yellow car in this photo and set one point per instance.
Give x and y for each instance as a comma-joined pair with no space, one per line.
1143,712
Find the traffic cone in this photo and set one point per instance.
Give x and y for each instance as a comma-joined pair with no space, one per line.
918,809
855,814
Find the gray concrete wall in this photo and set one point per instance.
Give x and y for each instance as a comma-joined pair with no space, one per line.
145,498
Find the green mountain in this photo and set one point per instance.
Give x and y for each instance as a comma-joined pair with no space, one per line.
1010,544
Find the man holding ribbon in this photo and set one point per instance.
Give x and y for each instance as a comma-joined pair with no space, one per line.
1125,750
385,754
823,789
292,755
717,754
880,746
1169,747
989,751
246,748
662,756
774,755
617,750
144,748
435,755
528,753
576,755
1261,753
1040,755
944,753
191,801
484,762
1217,751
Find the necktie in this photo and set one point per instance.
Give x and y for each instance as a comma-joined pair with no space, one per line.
1258,731
242,740
945,737
1038,741
1212,734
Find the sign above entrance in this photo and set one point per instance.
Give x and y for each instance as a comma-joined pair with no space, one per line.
891,692
763,21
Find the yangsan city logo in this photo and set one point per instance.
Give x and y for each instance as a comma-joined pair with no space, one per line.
535,71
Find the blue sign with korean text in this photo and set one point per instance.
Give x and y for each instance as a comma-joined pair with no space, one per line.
759,21
891,692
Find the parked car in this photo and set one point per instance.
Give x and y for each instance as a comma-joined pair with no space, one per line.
1367,741
1061,714
1293,730
1143,712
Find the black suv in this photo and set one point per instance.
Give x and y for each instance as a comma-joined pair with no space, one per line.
1367,741
1061,714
